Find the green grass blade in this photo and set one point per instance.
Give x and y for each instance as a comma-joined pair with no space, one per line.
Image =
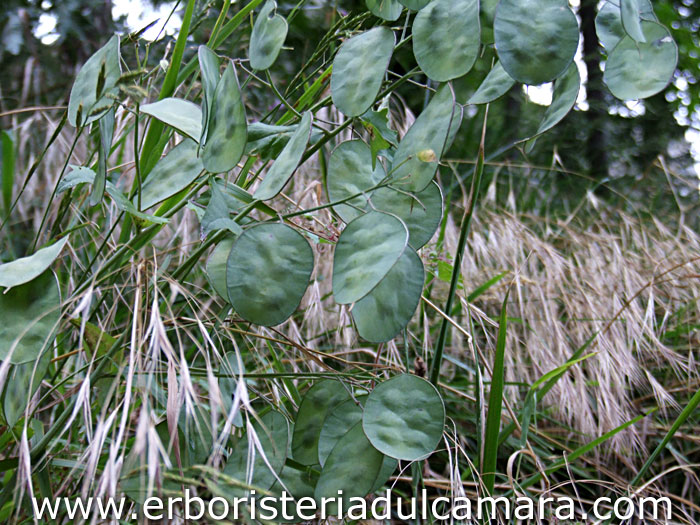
680,420
580,452
552,377
155,129
8,169
480,290
224,32
461,245
495,405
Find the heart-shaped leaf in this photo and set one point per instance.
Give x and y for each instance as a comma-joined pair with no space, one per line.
444,57
358,70
404,417
173,173
385,311
636,70
25,269
367,249
101,71
287,161
267,273
385,9
320,399
183,115
536,40
350,173
352,467
412,168
338,422
30,314
272,431
227,129
269,33
495,85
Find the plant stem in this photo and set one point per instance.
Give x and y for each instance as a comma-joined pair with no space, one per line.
463,234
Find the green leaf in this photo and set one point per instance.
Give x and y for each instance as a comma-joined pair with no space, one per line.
350,172
352,466
338,422
183,115
381,135
608,22
383,313
229,372
272,431
198,439
415,5
123,203
30,314
78,175
446,38
102,70
209,67
106,133
428,133
630,13
22,382
495,85
173,173
298,484
317,403
536,40
268,141
566,89
385,9
287,161
267,273
367,249
421,212
25,269
608,26
226,132
385,471
404,417
217,215
269,33
359,68
216,266
82,175
637,70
